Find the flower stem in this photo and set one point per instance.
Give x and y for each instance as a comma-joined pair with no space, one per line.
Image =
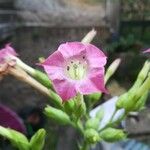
85,146
112,117
23,76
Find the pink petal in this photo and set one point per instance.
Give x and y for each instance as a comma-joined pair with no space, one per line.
94,83
56,59
147,51
54,72
10,50
65,89
53,66
71,49
95,56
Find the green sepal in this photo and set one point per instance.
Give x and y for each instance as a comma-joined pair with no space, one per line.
91,136
38,140
92,123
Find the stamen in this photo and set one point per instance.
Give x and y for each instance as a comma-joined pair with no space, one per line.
75,66
76,69
68,68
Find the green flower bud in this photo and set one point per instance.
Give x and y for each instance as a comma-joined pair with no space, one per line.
142,75
92,136
141,102
112,135
92,123
125,101
38,140
133,100
57,115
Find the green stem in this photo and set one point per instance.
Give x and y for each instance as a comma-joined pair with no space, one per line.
111,119
111,124
85,146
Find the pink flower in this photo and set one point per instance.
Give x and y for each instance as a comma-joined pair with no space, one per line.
147,51
6,59
76,68
6,52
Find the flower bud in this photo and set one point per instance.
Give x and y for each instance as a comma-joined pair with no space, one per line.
92,123
89,37
92,136
141,102
57,115
112,135
133,100
142,75
125,101
112,69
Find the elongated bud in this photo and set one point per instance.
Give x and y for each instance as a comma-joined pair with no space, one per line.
124,102
89,37
141,102
112,135
92,136
112,69
132,100
142,75
92,123
57,115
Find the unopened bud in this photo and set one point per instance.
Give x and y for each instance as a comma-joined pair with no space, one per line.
92,136
142,75
112,69
112,135
89,37
141,102
57,115
92,123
